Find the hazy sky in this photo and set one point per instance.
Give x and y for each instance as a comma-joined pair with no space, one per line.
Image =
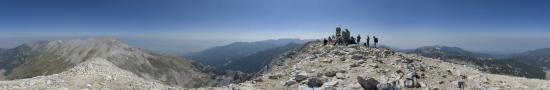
479,25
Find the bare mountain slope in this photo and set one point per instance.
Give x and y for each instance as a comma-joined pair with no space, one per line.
51,57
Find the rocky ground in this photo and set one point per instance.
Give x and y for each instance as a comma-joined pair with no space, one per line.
313,66
356,67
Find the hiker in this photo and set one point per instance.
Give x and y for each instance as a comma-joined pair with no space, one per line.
368,40
329,40
338,31
461,85
375,40
352,40
338,36
346,36
325,41
359,39
340,40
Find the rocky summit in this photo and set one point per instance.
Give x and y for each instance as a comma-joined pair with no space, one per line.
355,67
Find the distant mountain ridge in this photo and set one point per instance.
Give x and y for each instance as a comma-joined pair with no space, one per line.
538,57
484,62
220,55
446,50
51,57
254,62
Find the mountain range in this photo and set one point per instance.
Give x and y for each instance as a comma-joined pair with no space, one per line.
516,65
254,62
539,57
52,57
243,56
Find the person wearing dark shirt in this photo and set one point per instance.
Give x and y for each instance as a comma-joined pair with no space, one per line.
359,39
375,41
325,41
368,41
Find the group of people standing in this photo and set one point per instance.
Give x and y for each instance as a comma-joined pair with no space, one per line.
345,38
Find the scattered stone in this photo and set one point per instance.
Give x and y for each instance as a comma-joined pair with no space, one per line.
290,82
367,83
330,73
314,82
387,86
409,83
274,76
373,65
354,65
343,59
258,80
302,75
357,57
361,62
329,88
399,72
422,84
331,83
326,60
300,78
340,76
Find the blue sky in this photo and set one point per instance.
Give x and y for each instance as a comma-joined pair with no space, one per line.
477,25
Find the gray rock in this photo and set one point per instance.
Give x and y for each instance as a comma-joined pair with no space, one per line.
300,78
340,76
329,88
409,83
302,75
314,82
367,83
354,65
290,82
387,86
357,57
422,84
331,83
274,77
330,73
